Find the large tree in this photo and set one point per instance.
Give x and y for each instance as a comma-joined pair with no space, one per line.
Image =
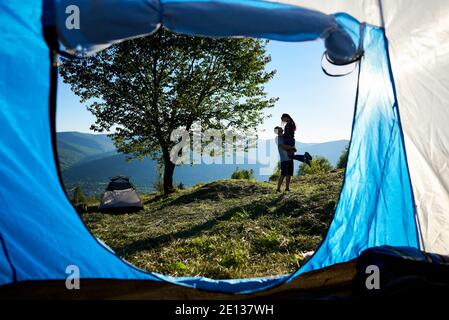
145,88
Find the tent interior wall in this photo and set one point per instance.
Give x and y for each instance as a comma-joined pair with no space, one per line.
396,189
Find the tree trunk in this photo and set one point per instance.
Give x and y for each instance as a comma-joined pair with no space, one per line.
169,169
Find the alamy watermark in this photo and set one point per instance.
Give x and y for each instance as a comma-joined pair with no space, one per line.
229,146
372,281
73,20
72,281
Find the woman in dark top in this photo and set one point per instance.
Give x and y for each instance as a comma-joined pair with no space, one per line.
289,139
289,129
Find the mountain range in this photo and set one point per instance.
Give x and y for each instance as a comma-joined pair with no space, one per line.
90,160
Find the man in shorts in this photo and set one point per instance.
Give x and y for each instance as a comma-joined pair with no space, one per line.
286,162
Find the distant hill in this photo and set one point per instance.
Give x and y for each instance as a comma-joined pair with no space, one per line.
330,150
75,146
94,175
91,160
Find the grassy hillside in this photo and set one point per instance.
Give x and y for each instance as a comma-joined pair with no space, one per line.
224,229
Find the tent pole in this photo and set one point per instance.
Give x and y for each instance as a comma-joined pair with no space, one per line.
381,14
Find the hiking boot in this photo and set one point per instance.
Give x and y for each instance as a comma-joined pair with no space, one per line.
307,159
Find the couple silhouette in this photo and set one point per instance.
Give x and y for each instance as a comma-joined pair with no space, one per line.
285,141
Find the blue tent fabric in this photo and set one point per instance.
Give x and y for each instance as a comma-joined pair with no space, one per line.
217,18
7,271
40,232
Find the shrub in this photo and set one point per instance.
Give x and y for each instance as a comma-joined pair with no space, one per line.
319,165
78,196
276,172
243,174
79,200
343,160
178,266
158,185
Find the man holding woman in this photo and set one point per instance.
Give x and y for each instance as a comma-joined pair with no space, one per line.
286,146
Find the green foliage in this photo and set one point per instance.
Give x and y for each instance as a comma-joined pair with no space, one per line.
148,87
319,165
276,173
78,196
243,174
158,185
93,199
178,266
181,186
343,160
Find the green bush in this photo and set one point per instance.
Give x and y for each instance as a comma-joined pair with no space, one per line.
319,165
343,160
276,173
79,200
178,266
78,196
158,185
243,174
93,199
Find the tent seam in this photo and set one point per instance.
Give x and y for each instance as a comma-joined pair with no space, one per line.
8,258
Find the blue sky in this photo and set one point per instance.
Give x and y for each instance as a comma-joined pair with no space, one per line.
322,106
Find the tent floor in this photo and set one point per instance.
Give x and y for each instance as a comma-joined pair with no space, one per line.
402,273
328,283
